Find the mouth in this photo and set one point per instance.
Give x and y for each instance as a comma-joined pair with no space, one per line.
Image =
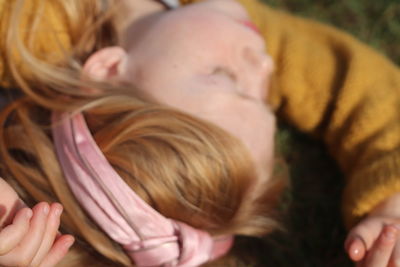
251,26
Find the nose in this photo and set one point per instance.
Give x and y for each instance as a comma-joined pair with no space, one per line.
257,68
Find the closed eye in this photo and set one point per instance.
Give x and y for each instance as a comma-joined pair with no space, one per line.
225,71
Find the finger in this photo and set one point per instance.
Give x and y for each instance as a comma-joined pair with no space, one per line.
381,251
30,244
58,251
367,231
395,257
356,249
53,222
11,235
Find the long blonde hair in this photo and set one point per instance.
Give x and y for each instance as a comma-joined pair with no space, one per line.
187,169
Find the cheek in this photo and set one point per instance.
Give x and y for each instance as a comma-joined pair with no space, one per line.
253,125
261,138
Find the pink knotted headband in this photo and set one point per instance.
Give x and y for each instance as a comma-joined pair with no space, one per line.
148,238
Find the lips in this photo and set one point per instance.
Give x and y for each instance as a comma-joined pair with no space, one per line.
251,26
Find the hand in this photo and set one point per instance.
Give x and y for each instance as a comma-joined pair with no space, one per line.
375,241
32,240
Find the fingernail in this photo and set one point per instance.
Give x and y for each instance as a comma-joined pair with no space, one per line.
58,211
46,209
390,233
354,248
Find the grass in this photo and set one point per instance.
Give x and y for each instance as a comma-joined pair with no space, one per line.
374,22
315,234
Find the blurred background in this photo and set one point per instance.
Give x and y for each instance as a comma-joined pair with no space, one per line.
374,22
314,233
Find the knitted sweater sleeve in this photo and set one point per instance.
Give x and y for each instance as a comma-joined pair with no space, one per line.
332,86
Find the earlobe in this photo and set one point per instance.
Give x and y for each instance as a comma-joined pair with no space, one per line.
106,63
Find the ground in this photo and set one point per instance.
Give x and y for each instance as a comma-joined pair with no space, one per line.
314,233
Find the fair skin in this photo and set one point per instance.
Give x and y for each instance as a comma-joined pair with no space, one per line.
217,82
375,240
204,60
31,237
214,80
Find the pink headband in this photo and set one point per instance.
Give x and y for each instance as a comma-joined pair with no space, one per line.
148,238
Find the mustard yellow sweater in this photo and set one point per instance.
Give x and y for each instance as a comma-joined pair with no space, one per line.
332,86
326,84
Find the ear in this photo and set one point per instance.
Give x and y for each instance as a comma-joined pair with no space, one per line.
106,63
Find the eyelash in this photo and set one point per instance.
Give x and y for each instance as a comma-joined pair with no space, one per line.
225,71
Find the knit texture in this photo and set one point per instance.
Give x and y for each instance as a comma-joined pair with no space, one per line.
332,86
326,83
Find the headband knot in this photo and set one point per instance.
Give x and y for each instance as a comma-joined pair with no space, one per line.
196,245
147,236
157,251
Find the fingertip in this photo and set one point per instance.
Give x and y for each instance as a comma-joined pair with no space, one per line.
43,207
29,214
26,213
58,251
69,242
389,234
64,243
57,209
356,250
23,216
56,205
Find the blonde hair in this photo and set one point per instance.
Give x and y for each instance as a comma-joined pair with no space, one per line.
187,169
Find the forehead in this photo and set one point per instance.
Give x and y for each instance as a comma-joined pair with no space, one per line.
197,28
194,20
